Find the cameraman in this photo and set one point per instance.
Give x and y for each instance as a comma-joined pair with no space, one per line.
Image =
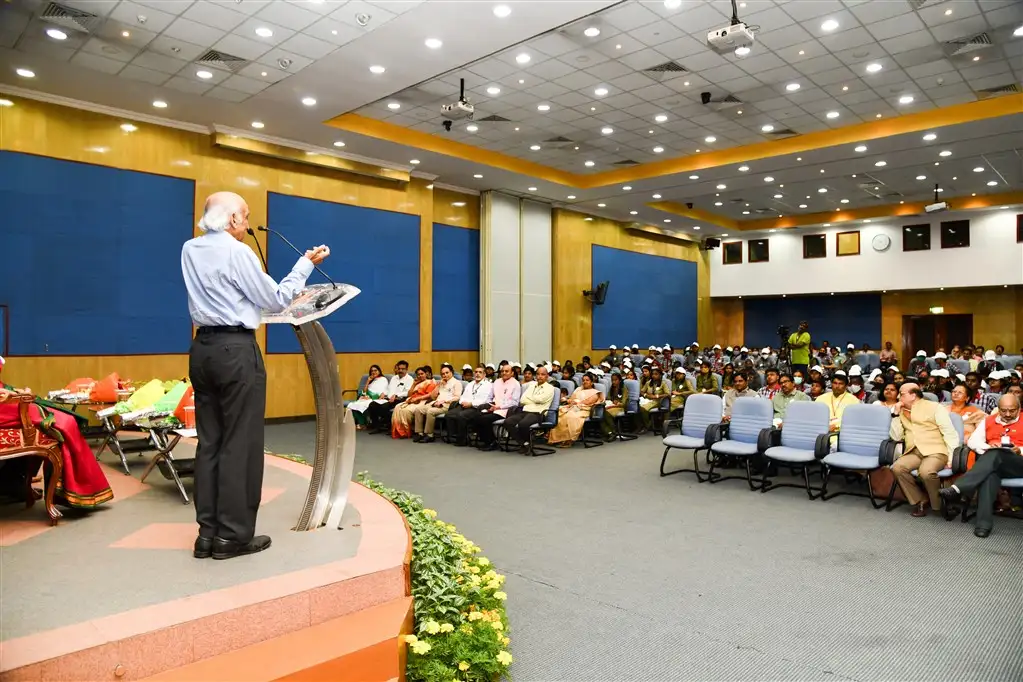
799,344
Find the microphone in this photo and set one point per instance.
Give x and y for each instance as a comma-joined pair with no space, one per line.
261,256
261,228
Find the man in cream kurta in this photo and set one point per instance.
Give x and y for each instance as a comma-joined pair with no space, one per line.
929,438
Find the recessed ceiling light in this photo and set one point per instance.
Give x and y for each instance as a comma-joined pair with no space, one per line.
1018,32
710,139
722,186
377,69
532,189
493,90
459,204
832,114
656,196
56,34
593,108
948,12
822,170
601,205
589,164
802,52
125,34
661,118
414,162
535,147
570,196
205,75
626,188
633,212
877,115
976,58
829,25
944,152
766,128
433,43
717,203
778,196
937,163
873,67
592,32
686,84
743,169
827,225
921,177
694,177
747,212
393,105
881,164
129,128
478,176
264,32
672,4
618,46
802,206
263,74
658,150
339,143
822,190
979,169
543,107
472,127
606,130
792,87
667,220
860,148
159,104
742,52
600,92
521,81
844,201
867,220
258,125
929,137
992,183
309,101
906,99
6,103
523,58
501,11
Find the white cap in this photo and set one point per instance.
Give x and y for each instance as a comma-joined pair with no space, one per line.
467,366
874,374
596,371
548,367
820,369
961,377
659,349
744,349
765,351
516,364
921,354
648,361
555,363
940,373
680,370
989,355
716,347
652,348
694,344
606,364
490,365
728,348
840,373
894,368
612,347
940,356
530,365
667,348
635,346
1000,374
855,371
849,345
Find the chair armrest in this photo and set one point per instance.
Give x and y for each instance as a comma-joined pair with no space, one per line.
886,451
960,458
715,434
668,423
350,390
822,446
28,429
768,438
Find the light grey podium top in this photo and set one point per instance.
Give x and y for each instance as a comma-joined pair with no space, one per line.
316,301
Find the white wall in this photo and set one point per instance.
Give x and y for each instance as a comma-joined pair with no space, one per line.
535,273
993,258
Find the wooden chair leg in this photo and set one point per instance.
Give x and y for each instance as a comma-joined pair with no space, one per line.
56,470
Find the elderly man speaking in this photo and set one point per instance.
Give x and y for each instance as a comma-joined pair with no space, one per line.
227,289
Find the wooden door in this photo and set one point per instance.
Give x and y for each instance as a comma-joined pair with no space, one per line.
931,332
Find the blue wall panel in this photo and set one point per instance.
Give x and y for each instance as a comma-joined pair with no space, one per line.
651,299
377,251
92,258
456,288
838,319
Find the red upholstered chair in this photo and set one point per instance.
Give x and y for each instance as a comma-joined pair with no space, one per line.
28,441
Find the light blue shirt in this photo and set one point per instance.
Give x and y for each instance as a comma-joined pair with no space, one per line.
226,285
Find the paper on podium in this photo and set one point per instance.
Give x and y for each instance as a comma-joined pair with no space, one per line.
315,302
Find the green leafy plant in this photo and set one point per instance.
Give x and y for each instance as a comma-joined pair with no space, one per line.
461,627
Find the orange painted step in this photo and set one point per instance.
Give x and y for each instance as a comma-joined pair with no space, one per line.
360,647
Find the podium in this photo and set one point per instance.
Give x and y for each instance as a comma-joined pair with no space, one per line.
334,460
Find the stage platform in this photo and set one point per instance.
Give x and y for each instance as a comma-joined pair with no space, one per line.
115,594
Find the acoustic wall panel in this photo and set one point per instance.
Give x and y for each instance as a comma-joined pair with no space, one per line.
840,319
377,251
651,299
92,258
456,288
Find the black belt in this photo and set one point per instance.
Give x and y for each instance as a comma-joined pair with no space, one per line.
226,330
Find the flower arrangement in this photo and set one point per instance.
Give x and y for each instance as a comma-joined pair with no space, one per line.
461,627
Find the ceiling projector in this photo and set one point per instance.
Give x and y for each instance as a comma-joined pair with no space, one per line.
936,207
458,110
730,37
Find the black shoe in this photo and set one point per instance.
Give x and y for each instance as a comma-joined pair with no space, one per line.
203,548
226,549
982,532
416,437
427,439
950,496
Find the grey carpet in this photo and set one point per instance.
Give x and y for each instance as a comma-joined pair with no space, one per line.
617,574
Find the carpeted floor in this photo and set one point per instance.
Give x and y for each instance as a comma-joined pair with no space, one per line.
617,574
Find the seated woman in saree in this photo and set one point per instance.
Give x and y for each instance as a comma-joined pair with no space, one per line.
375,387
573,416
404,414
82,483
615,401
971,414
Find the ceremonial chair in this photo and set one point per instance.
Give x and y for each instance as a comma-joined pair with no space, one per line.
28,441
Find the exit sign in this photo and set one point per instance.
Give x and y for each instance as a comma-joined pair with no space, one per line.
937,310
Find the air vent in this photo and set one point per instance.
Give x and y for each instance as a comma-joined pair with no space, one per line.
1007,89
783,132
762,211
724,102
667,67
737,201
966,45
559,142
69,17
625,162
494,118
223,60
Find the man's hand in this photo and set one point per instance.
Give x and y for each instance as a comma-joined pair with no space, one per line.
318,254
393,398
897,410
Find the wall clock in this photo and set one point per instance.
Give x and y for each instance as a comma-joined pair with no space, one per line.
881,242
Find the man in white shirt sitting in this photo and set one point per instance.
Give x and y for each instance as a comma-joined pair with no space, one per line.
447,394
506,392
379,411
477,395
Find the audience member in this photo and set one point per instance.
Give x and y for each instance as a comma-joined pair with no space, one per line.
651,395
572,415
918,363
837,399
706,382
476,395
888,395
375,387
856,388
786,394
727,374
445,395
506,392
535,403
985,401
970,414
615,402
816,389
419,394
771,385
681,388
799,345
997,441
379,411
888,356
740,389
928,442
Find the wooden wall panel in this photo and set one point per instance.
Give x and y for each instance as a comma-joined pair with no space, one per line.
729,322
76,135
572,238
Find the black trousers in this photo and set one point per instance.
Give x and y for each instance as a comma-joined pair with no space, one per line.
230,401
458,420
986,477
482,424
518,425
379,414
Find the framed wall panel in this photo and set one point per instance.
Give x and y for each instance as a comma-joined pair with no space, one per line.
847,243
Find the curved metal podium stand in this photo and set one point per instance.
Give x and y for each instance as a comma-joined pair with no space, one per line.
334,459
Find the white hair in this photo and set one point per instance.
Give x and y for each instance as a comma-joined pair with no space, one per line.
217,216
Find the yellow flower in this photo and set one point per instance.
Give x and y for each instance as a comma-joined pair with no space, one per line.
490,575
411,639
475,615
474,569
500,595
483,561
475,580
463,666
421,647
466,628
505,641
431,513
497,625
447,627
504,658
431,627
493,585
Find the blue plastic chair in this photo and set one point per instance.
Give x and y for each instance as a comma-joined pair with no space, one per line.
794,445
740,437
567,385
631,410
959,366
960,454
702,412
549,421
356,391
862,442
